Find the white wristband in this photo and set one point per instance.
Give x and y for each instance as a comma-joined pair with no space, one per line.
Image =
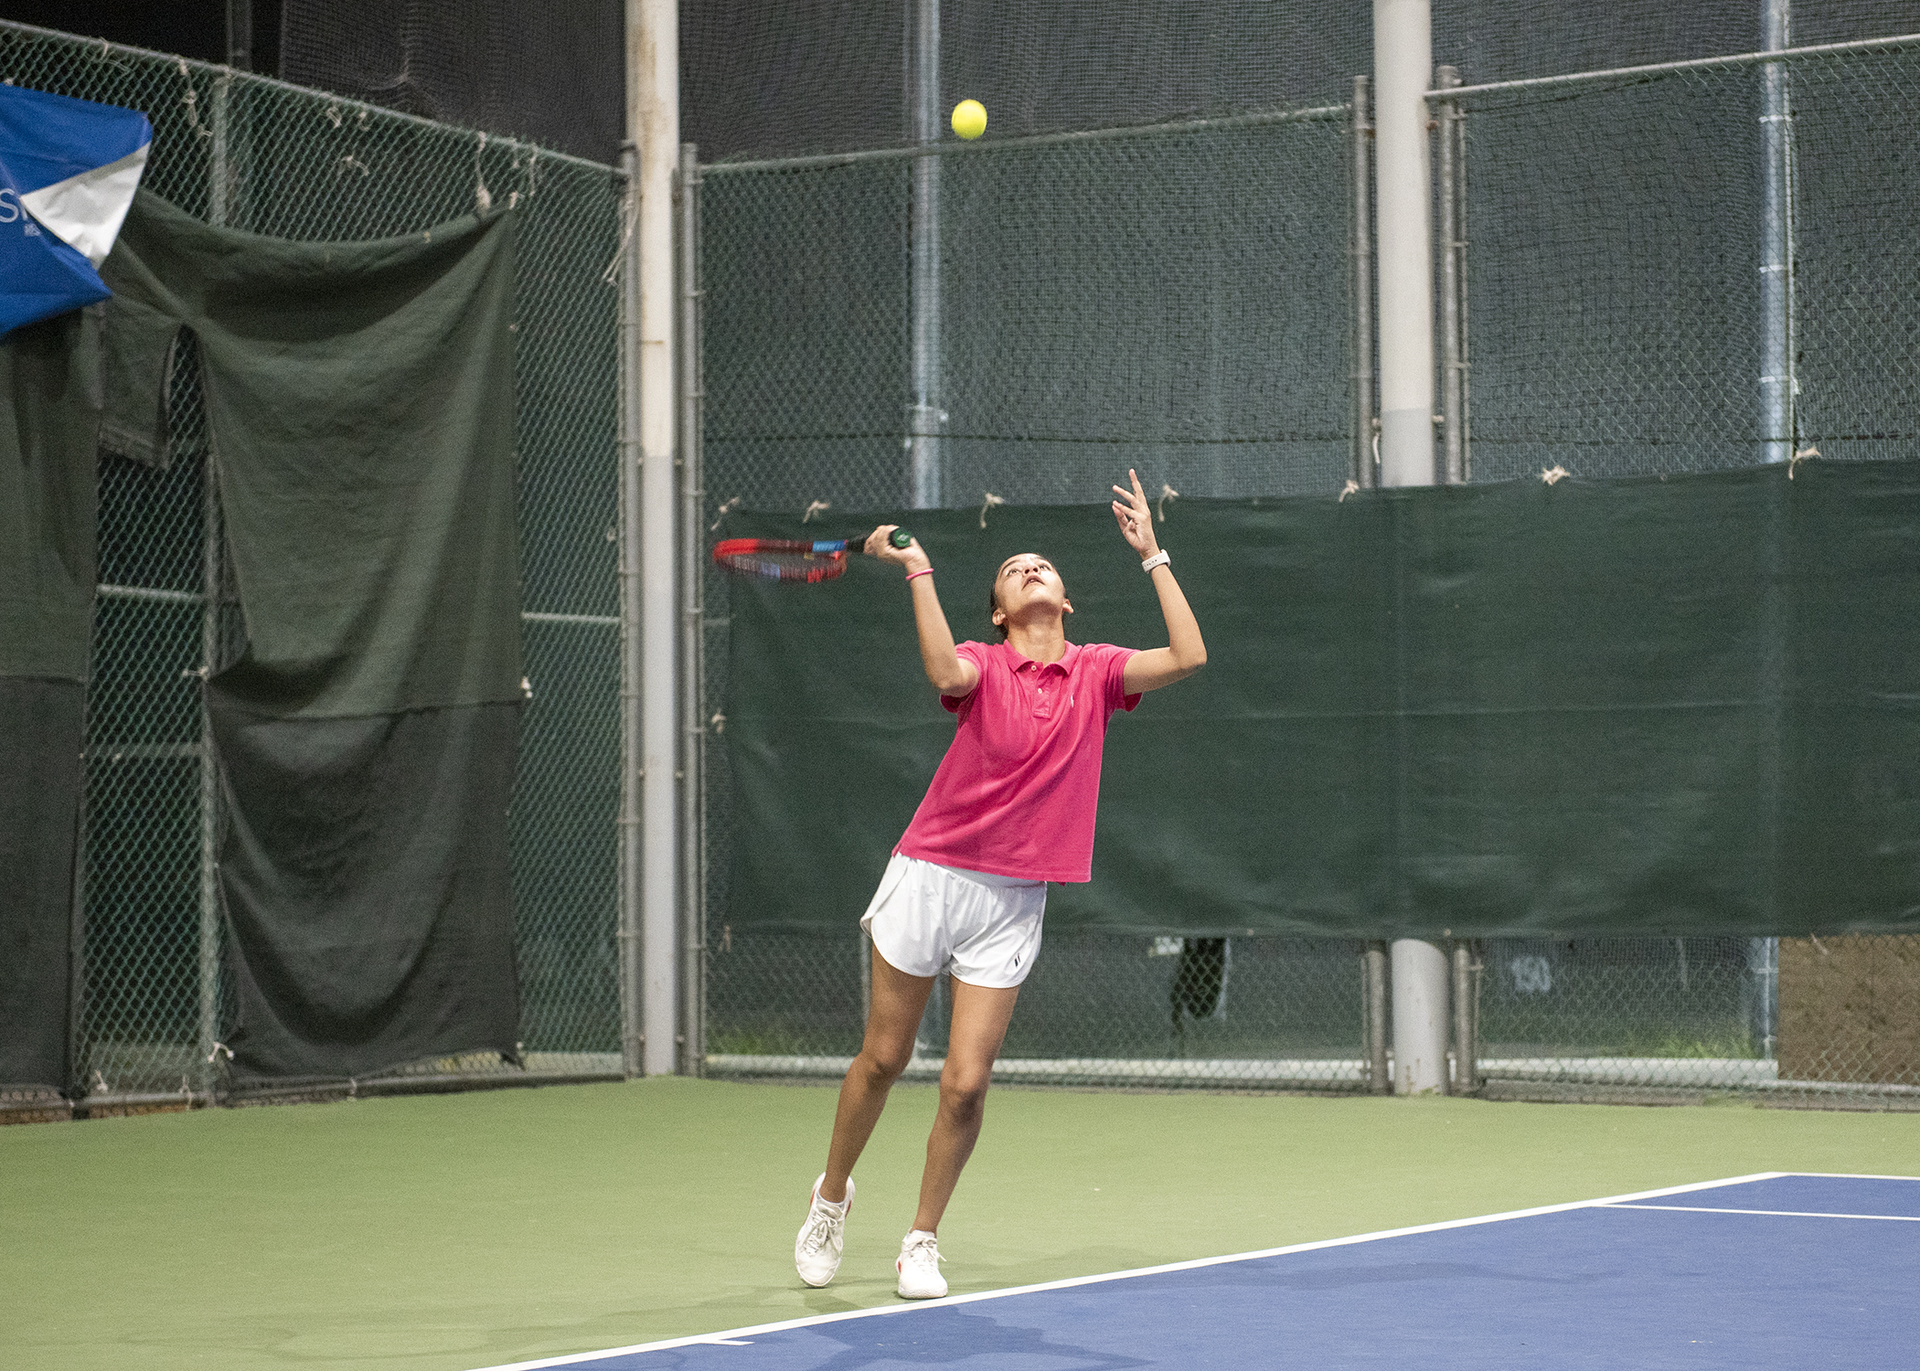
1159,558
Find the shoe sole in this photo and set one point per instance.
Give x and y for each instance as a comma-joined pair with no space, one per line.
930,1295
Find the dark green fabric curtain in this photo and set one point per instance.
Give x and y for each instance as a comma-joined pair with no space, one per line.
50,402
360,400
1661,706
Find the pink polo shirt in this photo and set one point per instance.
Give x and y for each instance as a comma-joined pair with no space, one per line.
1016,793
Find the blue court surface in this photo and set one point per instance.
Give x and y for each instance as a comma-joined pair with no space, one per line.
1774,1270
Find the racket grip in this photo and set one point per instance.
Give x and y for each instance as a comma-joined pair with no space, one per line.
900,538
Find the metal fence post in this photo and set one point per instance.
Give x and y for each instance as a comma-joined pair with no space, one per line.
240,34
1763,973
1452,360
631,1038
693,733
1466,1020
207,989
1379,1080
209,949
1363,461
77,1038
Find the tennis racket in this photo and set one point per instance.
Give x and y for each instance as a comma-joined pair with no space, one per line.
783,559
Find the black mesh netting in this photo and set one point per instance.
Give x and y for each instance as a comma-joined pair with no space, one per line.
550,73
782,79
810,76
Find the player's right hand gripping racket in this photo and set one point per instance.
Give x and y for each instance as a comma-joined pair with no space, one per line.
783,559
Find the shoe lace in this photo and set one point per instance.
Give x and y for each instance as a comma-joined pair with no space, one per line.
819,1230
925,1251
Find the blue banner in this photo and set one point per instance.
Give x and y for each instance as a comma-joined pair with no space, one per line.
68,171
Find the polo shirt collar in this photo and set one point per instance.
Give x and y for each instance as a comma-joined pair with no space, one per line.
1020,661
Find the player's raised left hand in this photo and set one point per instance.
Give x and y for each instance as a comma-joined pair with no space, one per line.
1135,517
879,544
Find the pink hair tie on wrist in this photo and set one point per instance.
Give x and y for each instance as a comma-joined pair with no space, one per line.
923,571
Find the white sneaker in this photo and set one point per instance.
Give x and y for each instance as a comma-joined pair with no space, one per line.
919,1267
816,1251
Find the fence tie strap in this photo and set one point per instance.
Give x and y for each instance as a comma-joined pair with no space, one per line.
1793,463
725,509
482,197
1167,493
191,101
219,1050
1554,475
1352,487
819,507
991,501
629,215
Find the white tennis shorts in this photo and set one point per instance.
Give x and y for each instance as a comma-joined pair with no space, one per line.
984,930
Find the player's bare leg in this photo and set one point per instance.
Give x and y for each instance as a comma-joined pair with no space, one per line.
980,1017
893,1019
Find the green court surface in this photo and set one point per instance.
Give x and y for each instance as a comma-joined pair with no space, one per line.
446,1232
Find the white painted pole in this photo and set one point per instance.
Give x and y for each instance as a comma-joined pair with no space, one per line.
1778,385
925,416
653,125
1419,1018
1402,70
1403,66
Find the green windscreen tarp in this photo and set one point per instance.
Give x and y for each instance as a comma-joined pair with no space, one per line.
1645,706
49,421
360,399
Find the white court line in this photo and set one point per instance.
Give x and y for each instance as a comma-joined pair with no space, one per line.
1776,1213
1849,1176
735,1337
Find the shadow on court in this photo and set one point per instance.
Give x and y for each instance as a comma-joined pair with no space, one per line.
1407,1273
956,1336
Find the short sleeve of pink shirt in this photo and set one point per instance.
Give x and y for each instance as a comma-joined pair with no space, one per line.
1017,791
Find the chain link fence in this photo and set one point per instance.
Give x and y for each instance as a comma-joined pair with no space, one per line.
1811,1022
1101,1008
1173,299
1694,267
269,158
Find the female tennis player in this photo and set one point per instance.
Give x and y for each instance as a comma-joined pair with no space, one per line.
1010,808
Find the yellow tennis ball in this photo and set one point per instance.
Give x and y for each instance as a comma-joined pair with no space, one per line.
969,118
